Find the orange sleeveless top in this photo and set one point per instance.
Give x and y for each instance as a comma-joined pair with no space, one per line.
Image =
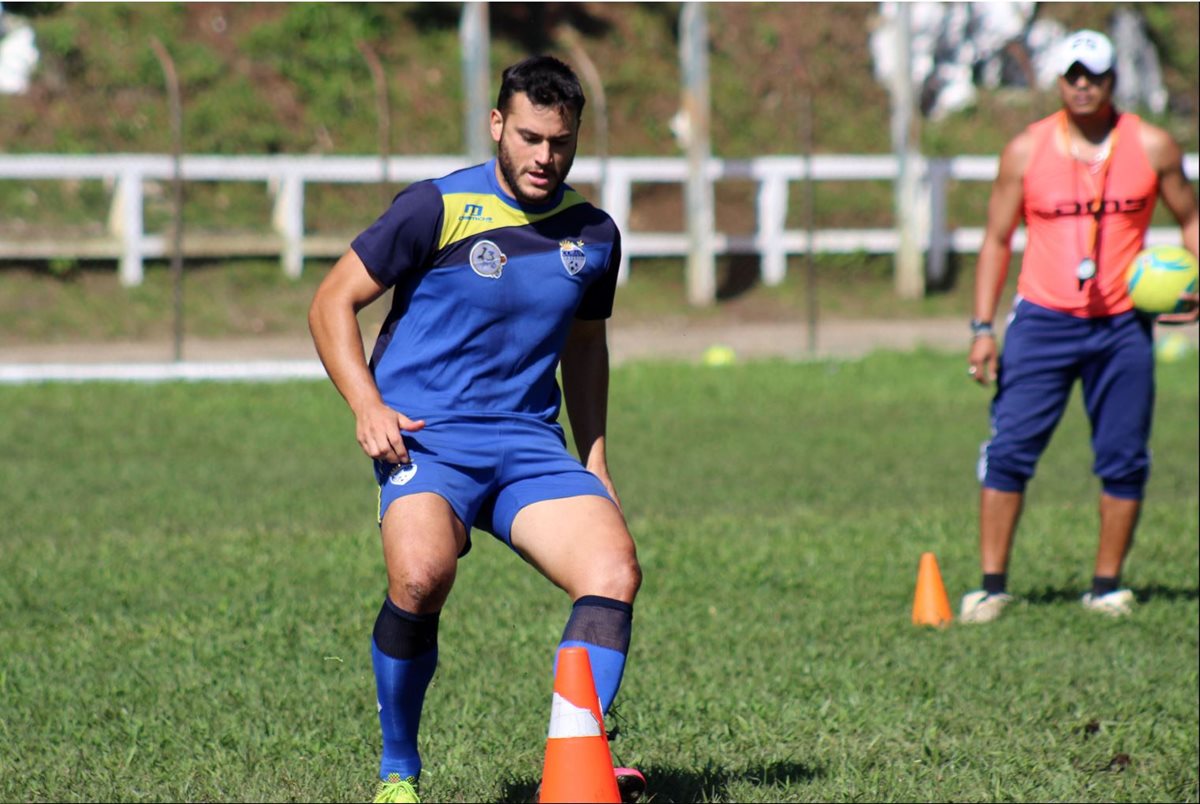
1072,212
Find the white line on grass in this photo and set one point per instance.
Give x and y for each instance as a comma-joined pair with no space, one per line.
253,371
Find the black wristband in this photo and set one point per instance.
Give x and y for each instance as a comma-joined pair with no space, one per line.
982,329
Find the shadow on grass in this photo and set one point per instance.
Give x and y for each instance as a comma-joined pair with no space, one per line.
1153,591
1157,591
669,785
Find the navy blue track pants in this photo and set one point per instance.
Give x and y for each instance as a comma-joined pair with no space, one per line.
1045,351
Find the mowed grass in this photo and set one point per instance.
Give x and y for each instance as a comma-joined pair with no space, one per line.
189,574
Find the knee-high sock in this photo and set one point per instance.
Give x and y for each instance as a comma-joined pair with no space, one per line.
404,655
602,626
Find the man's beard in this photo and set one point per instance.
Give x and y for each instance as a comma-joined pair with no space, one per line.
509,171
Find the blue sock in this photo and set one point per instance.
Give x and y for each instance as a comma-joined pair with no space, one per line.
602,626
404,655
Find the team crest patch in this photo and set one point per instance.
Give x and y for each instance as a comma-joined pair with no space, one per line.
487,259
573,256
402,474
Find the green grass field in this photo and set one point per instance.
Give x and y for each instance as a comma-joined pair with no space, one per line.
189,574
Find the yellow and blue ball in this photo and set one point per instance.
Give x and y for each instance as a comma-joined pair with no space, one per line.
1171,347
718,355
1158,276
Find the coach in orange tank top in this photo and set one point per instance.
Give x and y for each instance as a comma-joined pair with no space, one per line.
1085,181
1077,210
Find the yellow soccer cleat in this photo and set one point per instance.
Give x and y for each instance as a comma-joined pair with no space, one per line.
394,790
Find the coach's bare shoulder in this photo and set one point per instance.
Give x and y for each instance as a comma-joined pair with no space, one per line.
1161,148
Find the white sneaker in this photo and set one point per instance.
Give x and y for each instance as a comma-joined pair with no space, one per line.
980,607
1118,603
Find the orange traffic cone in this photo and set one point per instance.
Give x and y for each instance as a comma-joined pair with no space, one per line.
930,604
578,763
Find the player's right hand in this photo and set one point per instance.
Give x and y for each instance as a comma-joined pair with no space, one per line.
380,431
982,359
1189,305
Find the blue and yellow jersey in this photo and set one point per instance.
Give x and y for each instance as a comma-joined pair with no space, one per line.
484,292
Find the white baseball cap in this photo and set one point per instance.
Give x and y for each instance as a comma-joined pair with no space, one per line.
1091,49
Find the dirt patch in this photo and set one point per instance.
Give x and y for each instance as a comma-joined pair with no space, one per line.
671,338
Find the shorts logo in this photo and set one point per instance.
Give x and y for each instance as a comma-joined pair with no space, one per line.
402,474
487,259
573,256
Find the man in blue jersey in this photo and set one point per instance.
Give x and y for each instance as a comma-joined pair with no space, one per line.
499,272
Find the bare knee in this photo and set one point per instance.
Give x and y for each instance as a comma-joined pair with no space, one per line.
420,587
422,539
618,577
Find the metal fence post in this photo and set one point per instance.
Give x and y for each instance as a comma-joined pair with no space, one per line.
701,270
909,273
615,199
772,216
475,45
125,221
288,220
936,176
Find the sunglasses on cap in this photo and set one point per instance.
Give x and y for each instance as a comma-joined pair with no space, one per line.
1077,70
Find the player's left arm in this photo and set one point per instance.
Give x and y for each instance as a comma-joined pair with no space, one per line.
585,392
1177,193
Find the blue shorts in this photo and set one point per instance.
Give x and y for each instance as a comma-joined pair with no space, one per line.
487,468
1045,351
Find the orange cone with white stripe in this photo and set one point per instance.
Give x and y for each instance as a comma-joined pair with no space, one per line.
578,763
931,606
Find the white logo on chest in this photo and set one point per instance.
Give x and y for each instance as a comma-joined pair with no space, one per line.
487,259
573,256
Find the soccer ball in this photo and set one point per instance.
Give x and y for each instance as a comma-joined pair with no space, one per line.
719,355
1171,347
1157,277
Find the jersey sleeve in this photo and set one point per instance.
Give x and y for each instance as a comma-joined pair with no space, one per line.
405,236
597,301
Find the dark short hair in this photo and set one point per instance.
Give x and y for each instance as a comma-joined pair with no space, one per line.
546,80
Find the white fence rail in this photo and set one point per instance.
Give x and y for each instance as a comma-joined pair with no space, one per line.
286,177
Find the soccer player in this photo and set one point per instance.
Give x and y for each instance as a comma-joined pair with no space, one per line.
499,272
1085,181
